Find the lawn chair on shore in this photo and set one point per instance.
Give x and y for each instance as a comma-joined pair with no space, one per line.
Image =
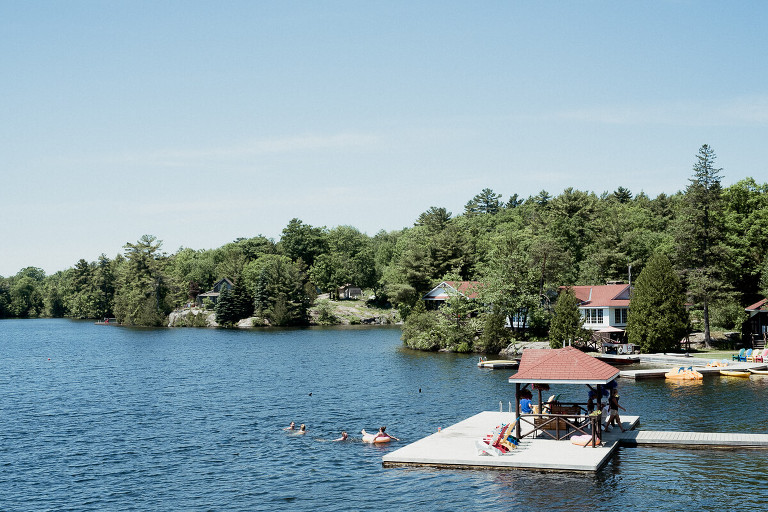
737,357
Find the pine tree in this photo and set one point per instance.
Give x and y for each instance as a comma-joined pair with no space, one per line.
567,322
657,319
699,236
242,302
225,308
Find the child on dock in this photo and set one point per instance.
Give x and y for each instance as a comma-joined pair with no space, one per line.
613,404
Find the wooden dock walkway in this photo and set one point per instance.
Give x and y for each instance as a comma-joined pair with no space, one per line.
692,439
455,446
658,373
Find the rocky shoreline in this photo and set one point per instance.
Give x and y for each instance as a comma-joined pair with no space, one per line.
334,313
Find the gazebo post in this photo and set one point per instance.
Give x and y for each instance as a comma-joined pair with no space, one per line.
517,410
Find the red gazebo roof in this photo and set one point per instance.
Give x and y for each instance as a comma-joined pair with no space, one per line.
562,366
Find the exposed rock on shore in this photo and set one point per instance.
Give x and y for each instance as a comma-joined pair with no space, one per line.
192,317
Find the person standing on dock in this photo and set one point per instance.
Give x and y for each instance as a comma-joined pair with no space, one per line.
613,404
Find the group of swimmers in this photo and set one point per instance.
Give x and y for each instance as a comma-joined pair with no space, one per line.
380,435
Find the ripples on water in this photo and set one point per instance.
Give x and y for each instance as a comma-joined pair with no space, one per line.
191,419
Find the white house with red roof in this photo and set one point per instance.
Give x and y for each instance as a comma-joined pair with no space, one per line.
603,307
447,289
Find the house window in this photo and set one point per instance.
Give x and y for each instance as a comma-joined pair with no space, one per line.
620,316
593,316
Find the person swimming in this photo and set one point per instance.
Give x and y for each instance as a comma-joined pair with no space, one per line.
380,434
292,426
302,430
343,437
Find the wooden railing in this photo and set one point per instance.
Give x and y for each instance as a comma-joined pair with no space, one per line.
562,421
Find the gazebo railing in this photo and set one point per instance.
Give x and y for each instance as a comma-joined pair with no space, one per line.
561,426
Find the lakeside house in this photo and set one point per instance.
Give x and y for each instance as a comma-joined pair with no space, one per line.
604,308
213,295
755,329
438,295
349,291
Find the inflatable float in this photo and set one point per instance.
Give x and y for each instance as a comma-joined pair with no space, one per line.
717,364
371,438
684,374
584,440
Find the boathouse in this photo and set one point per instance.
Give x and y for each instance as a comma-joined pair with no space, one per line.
755,328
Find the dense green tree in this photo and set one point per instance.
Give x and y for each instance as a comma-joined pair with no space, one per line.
567,323
495,336
436,219
302,241
5,298
699,236
226,311
242,301
349,260
622,195
486,202
26,293
277,286
143,296
657,318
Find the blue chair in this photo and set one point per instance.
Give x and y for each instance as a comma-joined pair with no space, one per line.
746,355
737,357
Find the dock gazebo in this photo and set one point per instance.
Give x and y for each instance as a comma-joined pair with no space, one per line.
540,367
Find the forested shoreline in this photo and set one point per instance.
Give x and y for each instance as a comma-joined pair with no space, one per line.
521,249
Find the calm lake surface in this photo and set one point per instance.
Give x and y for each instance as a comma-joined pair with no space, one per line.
109,418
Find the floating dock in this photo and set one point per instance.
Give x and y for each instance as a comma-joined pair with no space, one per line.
692,439
658,373
455,446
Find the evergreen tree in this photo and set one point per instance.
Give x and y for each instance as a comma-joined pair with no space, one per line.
657,318
487,201
143,295
699,236
242,302
567,321
226,313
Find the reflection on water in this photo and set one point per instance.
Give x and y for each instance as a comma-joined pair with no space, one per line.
193,418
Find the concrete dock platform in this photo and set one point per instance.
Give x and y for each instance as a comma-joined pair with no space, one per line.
455,447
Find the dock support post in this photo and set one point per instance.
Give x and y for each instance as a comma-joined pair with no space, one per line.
517,410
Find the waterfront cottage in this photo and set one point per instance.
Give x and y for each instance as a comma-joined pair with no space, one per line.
213,295
349,291
603,307
438,295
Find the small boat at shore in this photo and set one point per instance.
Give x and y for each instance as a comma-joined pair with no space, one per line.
735,373
758,372
497,363
611,359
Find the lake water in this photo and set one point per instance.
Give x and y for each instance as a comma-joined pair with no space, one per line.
110,418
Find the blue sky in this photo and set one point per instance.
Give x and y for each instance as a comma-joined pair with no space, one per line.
202,122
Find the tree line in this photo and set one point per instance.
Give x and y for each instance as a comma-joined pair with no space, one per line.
521,250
